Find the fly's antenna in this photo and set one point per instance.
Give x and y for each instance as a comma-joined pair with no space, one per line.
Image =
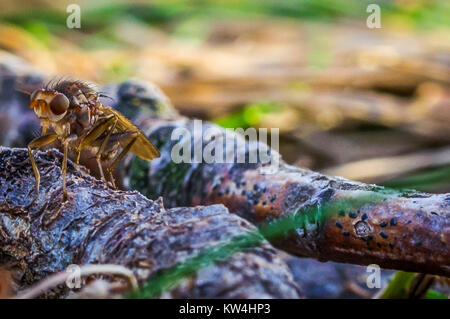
103,94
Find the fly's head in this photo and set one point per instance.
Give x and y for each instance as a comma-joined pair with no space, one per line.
49,105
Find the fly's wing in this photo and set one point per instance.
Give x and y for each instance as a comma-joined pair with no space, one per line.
142,147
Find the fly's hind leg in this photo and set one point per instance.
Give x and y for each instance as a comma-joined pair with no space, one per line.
37,143
101,150
124,136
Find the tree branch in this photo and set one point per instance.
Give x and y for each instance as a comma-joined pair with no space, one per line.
98,225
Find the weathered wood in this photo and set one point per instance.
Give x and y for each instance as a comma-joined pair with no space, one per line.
98,225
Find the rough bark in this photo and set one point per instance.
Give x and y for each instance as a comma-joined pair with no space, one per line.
98,225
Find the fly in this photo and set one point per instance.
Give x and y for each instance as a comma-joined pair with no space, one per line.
79,121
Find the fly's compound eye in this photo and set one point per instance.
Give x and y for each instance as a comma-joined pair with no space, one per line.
59,104
33,95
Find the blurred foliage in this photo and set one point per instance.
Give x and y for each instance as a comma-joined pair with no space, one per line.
400,286
421,14
249,116
428,180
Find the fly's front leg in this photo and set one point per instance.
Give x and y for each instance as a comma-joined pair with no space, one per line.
94,134
64,163
125,150
64,170
36,144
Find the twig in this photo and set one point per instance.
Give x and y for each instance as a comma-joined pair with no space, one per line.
85,270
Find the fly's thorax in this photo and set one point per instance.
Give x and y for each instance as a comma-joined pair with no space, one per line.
81,118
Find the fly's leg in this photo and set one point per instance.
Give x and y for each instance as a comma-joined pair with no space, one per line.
103,146
93,135
64,164
64,170
37,143
125,150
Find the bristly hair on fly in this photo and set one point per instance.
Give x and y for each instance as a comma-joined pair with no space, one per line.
61,84
65,83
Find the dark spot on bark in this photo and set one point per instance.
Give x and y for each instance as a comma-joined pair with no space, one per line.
383,224
352,215
346,233
227,190
364,216
391,245
378,244
255,201
243,192
393,222
339,225
273,198
383,234
264,203
255,187
220,193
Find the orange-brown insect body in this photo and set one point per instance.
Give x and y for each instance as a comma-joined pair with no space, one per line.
73,110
